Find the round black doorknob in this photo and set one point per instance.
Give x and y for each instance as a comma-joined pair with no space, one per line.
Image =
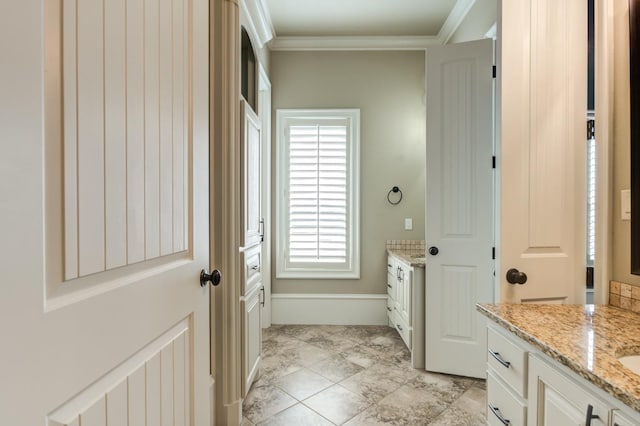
214,277
433,251
516,277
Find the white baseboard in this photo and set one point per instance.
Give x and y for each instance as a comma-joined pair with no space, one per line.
334,309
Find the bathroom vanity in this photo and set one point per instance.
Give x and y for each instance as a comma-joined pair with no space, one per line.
558,364
405,300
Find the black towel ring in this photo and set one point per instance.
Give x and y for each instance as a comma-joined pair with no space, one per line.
395,190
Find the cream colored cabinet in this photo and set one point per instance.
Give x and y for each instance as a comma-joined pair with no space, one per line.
391,287
555,399
251,182
251,238
405,305
620,419
507,374
526,387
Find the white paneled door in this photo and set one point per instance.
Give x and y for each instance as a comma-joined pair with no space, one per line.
542,83
104,213
459,210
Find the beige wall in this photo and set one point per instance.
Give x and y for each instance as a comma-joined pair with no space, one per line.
482,15
388,87
621,166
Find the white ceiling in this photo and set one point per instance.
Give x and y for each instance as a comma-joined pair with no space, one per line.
307,18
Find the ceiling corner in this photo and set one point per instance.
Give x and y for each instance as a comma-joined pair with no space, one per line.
455,18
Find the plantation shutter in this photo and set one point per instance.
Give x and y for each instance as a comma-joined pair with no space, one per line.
318,192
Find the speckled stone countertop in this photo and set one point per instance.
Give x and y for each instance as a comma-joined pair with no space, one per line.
586,338
413,258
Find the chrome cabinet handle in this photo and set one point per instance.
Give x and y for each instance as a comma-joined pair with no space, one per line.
499,415
498,358
263,296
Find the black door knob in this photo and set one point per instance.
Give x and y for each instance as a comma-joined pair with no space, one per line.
214,277
433,251
516,277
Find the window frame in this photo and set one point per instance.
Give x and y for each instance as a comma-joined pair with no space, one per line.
351,268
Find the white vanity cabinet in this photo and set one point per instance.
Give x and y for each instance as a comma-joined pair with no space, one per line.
527,387
405,305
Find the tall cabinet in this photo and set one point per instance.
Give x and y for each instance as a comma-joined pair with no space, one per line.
251,298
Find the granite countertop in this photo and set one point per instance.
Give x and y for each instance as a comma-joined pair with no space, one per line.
413,258
586,338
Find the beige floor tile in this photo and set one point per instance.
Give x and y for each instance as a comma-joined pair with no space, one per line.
335,368
337,404
298,415
265,401
303,384
473,401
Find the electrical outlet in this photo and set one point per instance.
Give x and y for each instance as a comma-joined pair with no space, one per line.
408,224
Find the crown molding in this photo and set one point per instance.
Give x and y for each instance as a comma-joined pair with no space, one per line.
455,18
492,32
259,20
353,43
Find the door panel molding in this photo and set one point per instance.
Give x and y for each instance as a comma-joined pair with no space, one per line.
118,145
165,360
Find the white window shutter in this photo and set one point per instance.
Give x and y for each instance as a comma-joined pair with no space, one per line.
318,193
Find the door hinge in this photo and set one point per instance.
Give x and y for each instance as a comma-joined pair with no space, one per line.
591,129
493,162
493,253
494,71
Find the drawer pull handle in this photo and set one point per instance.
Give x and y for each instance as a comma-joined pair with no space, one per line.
388,309
498,358
590,415
256,267
497,413
399,327
389,285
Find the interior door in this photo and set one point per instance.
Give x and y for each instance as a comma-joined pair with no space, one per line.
459,210
104,213
542,82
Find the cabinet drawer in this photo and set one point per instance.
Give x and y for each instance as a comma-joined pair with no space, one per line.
508,360
403,328
391,286
251,270
502,403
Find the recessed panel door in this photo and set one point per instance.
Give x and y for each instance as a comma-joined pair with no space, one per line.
105,213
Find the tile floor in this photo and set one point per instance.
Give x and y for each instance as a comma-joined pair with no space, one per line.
354,375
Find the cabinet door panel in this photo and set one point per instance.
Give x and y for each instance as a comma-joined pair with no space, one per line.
556,400
252,340
251,176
